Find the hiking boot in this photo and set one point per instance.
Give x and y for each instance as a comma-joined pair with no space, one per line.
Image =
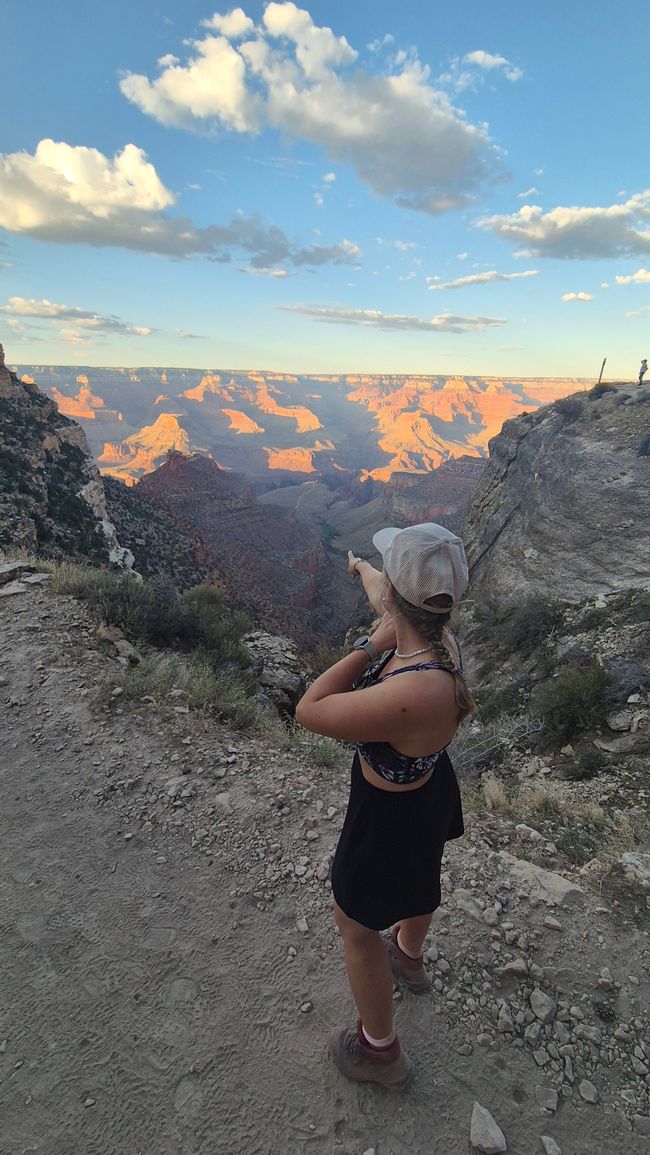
409,971
357,1060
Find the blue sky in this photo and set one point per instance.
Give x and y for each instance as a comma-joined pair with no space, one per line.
431,188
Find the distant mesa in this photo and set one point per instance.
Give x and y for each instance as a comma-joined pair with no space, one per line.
296,460
145,450
83,405
210,383
240,423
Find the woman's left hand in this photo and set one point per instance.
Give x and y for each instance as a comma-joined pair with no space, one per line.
384,637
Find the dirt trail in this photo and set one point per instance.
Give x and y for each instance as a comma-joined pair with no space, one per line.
154,964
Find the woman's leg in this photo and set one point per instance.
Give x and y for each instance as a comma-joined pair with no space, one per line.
412,933
369,974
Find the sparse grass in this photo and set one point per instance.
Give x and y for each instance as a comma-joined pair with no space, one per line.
601,389
580,830
199,686
570,408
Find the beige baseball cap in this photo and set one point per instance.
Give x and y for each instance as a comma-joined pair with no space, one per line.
423,562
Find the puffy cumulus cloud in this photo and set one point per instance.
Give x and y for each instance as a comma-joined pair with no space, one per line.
577,297
479,279
77,184
375,319
641,277
69,195
401,134
212,86
84,323
233,25
488,62
578,233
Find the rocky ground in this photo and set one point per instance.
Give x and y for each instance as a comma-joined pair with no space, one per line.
171,971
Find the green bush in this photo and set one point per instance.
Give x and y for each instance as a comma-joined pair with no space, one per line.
570,703
504,700
570,408
601,389
589,764
523,627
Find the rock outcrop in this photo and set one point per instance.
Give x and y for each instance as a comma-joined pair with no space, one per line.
563,508
52,499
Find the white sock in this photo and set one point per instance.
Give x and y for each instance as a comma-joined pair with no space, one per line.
403,948
378,1042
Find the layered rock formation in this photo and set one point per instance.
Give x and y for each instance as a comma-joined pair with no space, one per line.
563,507
444,495
281,428
52,499
266,561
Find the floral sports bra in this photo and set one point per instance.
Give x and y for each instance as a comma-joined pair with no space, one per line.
385,760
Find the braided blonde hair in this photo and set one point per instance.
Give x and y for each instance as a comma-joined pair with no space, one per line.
432,628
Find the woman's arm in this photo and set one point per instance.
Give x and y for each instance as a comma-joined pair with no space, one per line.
371,580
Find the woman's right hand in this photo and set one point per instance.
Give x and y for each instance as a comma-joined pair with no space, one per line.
352,562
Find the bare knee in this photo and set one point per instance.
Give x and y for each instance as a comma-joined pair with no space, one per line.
353,933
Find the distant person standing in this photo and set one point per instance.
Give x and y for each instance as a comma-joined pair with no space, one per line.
643,370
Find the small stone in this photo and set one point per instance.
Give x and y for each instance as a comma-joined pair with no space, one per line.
222,804
89,1102
484,1133
528,834
128,837
505,1022
605,979
302,925
550,1146
466,1049
546,1097
542,1006
587,1091
552,923
490,916
517,968
306,1007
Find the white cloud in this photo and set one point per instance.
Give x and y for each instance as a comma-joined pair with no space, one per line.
232,26
579,233
401,134
491,63
185,336
639,312
577,297
375,319
86,322
530,192
75,195
329,177
479,279
641,277
462,256
404,246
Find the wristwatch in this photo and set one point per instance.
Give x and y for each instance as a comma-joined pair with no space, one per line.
364,643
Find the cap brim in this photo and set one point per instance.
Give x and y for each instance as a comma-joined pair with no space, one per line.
383,538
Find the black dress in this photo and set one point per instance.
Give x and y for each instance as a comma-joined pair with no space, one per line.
387,862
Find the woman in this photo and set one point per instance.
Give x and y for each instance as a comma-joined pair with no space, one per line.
401,710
